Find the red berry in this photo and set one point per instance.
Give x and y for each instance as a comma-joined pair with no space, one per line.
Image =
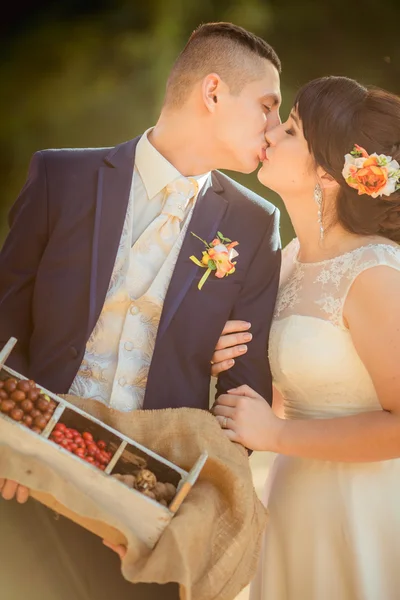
68,435
101,444
64,442
87,436
91,449
60,427
102,467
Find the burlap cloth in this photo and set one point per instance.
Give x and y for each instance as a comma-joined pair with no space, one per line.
212,544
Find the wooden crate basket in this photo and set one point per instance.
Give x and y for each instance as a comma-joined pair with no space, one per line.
146,517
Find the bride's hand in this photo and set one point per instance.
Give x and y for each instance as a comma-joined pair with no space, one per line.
231,344
247,418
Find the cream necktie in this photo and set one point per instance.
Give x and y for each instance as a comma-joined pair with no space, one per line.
152,248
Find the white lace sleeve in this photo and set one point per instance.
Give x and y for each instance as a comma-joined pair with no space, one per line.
369,257
320,289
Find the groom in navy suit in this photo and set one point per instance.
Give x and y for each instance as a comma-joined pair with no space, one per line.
66,226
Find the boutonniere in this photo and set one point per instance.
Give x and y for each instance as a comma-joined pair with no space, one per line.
217,257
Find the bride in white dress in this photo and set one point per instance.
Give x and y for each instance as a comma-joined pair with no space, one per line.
333,493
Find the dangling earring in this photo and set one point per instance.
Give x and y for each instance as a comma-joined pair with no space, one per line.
318,197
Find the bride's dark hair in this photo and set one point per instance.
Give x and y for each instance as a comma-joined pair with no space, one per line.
336,113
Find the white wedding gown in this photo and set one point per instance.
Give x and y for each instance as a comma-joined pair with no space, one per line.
334,528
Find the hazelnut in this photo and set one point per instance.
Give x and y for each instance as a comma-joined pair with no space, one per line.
26,405
10,384
42,404
47,416
17,395
23,385
160,490
130,481
17,414
7,406
170,491
149,494
27,420
33,394
40,422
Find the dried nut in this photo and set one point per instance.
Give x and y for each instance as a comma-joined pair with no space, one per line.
160,490
149,494
7,406
26,405
171,491
52,405
130,481
163,502
145,480
33,394
47,415
10,384
27,420
138,461
23,385
17,395
17,414
39,422
42,404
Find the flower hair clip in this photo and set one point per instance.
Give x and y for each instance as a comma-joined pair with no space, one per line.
371,174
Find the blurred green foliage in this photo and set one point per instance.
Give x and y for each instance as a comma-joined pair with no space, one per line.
96,77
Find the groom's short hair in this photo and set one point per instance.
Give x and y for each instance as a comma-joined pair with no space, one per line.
235,54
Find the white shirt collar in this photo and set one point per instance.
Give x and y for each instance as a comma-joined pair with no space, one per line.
156,171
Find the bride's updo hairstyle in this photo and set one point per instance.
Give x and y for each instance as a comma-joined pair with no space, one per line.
336,114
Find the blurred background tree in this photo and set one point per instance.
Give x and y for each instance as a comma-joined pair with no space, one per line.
92,73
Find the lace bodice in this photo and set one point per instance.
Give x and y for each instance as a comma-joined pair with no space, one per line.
313,360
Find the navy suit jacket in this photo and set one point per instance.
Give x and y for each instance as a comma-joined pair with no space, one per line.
56,264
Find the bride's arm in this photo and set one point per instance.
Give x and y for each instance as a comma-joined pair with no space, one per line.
373,316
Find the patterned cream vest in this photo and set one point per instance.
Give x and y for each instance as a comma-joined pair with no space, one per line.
123,339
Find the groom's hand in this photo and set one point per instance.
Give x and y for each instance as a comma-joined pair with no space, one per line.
11,489
232,343
120,549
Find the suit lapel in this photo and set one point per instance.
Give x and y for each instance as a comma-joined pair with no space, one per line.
113,189
208,212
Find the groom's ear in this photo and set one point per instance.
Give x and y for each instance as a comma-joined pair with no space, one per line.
211,88
326,180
